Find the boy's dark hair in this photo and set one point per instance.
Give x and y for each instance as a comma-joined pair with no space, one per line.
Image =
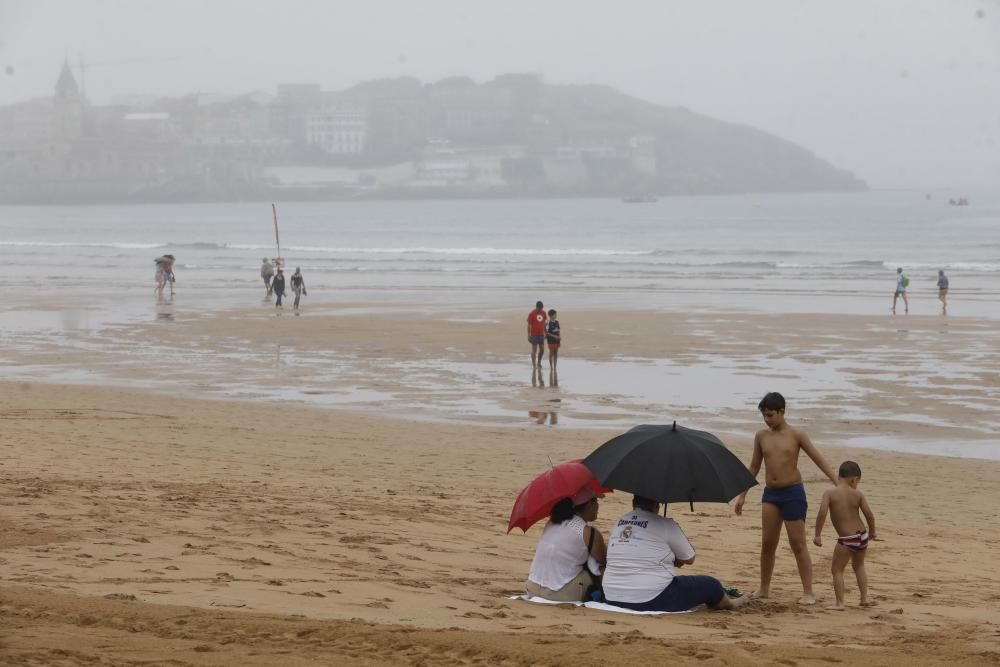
538,304
552,312
849,469
772,401
562,511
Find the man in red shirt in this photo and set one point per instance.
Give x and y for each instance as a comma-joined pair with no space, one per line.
536,334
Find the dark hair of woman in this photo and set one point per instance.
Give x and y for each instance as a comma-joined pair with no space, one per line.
562,511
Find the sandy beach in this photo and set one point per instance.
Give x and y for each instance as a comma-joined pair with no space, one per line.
140,526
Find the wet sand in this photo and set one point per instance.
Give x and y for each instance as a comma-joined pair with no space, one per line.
924,384
137,527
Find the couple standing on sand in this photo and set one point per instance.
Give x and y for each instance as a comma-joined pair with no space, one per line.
645,550
544,328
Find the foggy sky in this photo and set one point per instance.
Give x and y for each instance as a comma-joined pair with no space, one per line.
905,93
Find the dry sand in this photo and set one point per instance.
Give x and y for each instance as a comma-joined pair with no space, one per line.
137,528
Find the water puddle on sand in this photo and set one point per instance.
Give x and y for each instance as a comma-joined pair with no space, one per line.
829,385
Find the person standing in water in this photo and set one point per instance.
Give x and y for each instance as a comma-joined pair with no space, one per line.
164,274
278,287
942,284
267,273
902,282
298,286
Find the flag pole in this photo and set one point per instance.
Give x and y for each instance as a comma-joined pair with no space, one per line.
277,239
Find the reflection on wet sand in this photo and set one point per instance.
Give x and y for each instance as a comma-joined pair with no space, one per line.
536,378
540,417
165,309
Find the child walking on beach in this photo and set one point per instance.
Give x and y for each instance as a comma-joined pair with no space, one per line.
843,504
553,337
784,499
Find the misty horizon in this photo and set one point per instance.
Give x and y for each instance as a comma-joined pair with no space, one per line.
904,95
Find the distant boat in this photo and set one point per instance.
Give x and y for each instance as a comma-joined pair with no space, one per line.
639,199
961,201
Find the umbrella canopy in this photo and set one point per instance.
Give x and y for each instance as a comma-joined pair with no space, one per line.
535,502
670,464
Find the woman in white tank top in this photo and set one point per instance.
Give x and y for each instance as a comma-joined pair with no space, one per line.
570,553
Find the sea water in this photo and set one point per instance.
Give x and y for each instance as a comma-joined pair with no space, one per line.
776,253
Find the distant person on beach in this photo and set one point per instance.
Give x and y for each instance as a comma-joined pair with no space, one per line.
942,285
267,273
844,504
645,551
278,287
164,274
902,282
784,500
553,338
536,334
570,552
298,286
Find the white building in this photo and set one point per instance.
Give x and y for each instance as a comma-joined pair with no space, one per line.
339,129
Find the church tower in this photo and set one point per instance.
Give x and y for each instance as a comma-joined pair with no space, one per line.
67,92
67,107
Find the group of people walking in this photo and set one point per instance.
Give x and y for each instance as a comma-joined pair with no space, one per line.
903,282
274,282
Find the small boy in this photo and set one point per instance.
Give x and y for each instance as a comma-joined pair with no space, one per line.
553,338
843,504
784,499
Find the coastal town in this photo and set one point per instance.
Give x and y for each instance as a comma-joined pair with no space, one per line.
515,135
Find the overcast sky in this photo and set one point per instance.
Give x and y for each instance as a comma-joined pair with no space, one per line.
905,93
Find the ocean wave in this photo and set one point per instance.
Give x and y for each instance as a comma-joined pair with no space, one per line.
82,244
975,267
452,251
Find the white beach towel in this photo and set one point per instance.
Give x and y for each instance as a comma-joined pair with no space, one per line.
600,606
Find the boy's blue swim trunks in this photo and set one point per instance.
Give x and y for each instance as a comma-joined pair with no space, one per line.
791,500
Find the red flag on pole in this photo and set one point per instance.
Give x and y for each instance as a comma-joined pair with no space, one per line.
274,210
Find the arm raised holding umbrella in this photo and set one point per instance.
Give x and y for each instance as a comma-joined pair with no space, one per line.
644,552
570,553
664,464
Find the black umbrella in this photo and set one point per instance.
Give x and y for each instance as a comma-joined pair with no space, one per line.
670,464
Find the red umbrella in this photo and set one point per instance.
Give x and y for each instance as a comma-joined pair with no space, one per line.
536,500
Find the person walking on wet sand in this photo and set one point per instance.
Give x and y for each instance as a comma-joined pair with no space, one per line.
942,285
267,273
278,288
777,447
298,286
902,282
553,336
844,504
536,334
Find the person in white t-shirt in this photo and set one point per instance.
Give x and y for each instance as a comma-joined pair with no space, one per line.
644,552
570,553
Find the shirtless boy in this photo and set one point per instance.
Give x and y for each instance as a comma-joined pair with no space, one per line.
844,503
784,500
